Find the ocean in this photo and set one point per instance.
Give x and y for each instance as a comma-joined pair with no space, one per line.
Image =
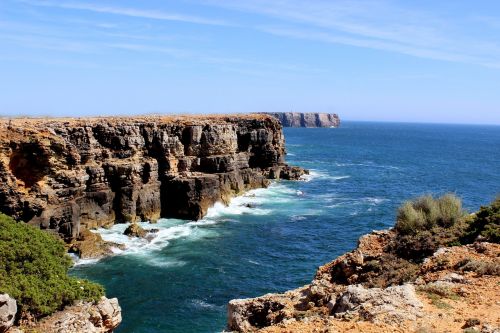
272,240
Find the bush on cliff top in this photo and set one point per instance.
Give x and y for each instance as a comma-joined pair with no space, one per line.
426,224
34,270
486,223
427,212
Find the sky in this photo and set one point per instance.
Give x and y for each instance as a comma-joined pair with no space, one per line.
380,60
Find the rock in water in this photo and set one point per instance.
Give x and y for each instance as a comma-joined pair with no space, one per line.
8,310
135,230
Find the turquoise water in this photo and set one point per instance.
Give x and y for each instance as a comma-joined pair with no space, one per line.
182,280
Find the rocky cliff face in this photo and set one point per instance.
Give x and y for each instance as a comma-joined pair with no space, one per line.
69,175
297,119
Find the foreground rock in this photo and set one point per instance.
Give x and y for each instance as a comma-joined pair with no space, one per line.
389,305
8,310
101,317
298,119
363,291
69,175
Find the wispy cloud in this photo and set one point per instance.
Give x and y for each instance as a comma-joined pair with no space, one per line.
130,12
375,24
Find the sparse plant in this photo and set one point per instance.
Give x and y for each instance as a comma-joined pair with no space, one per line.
480,267
436,293
427,212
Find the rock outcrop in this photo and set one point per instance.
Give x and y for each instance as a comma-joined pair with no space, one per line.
370,290
310,119
135,230
99,317
389,305
70,175
8,310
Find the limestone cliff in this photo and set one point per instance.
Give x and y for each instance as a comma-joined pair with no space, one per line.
72,174
297,119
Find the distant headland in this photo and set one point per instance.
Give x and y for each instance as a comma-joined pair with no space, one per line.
308,119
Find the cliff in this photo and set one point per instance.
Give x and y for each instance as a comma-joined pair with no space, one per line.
398,280
68,175
297,119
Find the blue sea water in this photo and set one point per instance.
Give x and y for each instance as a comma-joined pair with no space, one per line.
182,280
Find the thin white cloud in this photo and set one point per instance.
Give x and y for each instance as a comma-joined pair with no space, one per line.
370,43
131,12
372,24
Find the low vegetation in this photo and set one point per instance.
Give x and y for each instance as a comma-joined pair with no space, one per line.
427,223
480,267
423,226
485,224
34,270
427,213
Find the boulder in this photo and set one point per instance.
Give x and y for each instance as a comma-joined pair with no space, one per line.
135,230
390,305
8,310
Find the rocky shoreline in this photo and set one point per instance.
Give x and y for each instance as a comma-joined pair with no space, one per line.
72,175
69,176
355,293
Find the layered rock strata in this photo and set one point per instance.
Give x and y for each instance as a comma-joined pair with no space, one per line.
310,119
67,175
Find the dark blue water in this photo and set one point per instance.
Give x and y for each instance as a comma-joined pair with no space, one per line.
182,281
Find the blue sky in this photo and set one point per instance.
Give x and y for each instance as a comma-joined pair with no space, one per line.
426,61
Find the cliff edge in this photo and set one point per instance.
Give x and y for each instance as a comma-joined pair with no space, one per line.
398,280
310,119
68,175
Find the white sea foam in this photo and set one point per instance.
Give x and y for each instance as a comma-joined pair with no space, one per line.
375,201
340,177
320,174
80,262
371,165
203,304
171,229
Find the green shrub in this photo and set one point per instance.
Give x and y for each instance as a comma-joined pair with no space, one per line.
34,270
426,212
485,223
